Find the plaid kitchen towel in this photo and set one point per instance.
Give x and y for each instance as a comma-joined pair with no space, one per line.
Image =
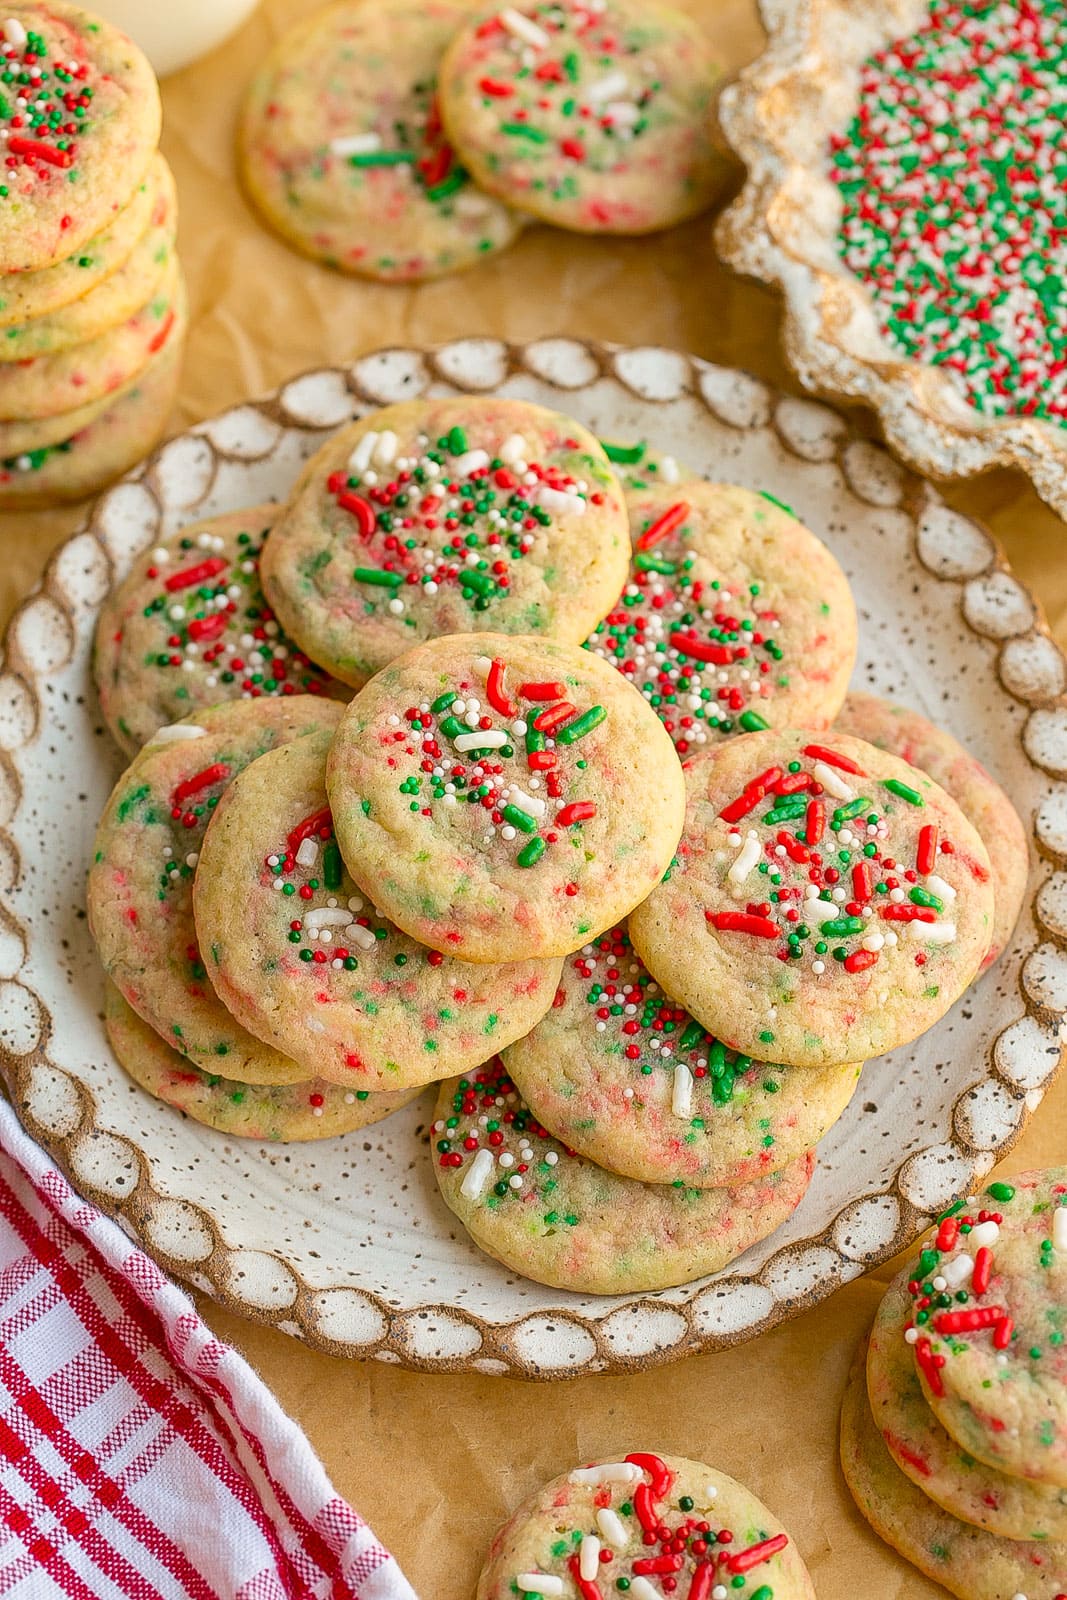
140,1459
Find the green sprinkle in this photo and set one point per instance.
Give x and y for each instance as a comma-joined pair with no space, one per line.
625,454
1002,1192
531,853
752,722
519,819
522,130
581,725
901,790
383,158
378,577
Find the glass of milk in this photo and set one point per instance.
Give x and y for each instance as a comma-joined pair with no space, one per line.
174,32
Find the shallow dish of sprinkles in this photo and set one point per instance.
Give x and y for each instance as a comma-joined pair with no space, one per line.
905,193
346,1243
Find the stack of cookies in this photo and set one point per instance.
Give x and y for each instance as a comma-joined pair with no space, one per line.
644,990
92,307
954,1426
402,140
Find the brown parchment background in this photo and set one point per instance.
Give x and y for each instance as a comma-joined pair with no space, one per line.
435,1462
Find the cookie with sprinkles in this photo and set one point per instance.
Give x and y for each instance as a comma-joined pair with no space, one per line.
447,516
556,1217
189,627
826,899
343,151
595,115
989,1325
279,1114
115,439
26,295
112,302
951,183
79,118
1015,1508
140,890
625,1076
981,799
501,798
309,965
969,1562
48,385
735,617
646,1526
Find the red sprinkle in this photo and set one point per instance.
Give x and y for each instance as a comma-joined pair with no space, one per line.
745,1560
496,693
819,752
742,922
930,1366
37,150
552,717
860,960
200,780
926,856
577,811
814,821
970,1319
587,1588
553,690
188,576
308,828
983,1268
361,509
663,525
202,628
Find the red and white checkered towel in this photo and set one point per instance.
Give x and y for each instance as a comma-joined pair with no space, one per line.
140,1459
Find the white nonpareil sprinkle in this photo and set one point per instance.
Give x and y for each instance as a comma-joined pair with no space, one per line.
523,28
359,460
476,1179
938,886
720,1592
589,1557
513,449
747,858
470,461
832,781
329,917
911,1335
308,853
14,32
613,1528
682,1091
608,1472
933,932
539,1582
668,470
356,144
177,732
362,936
480,739
607,88
1059,1228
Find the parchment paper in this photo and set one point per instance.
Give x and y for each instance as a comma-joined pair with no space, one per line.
437,1462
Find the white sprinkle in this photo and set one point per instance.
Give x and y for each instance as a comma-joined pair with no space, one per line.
832,782
933,932
911,1335
529,802
719,1592
641,1589
385,448
589,1557
1059,1228
873,942
14,32
559,500
364,937
551,1158
608,1472
745,860
470,461
396,608
476,1179
668,470
328,917
818,967
523,28
615,83
177,732
356,144
938,886
613,1528
957,1270
819,911
359,460
623,113
480,739
161,555
682,1092
308,853
534,1582
513,449
983,1233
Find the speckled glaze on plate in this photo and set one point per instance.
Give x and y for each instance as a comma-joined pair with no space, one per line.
346,1244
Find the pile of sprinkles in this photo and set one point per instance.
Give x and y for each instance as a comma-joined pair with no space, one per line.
216,630
952,181
639,1542
462,744
45,108
953,1278
832,893
655,1035
487,1115
704,654
451,514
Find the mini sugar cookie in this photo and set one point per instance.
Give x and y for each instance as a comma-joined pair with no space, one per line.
503,797
121,434
969,1562
734,617
628,1078
49,385
80,119
27,295
994,1369
559,1219
594,118
280,1114
447,516
827,899
644,1514
343,151
981,799
304,962
120,296
1015,1508
189,627
140,896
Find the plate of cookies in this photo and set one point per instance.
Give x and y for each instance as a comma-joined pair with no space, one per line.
507,857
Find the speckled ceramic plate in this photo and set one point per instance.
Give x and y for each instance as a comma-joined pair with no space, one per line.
346,1243
779,117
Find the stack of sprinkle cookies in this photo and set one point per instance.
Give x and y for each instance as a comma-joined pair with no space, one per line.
954,1426
405,139
92,305
645,1526
504,759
